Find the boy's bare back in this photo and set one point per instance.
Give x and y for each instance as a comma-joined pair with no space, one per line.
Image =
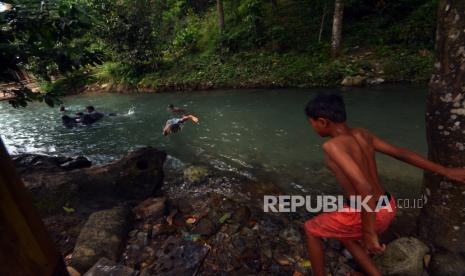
354,152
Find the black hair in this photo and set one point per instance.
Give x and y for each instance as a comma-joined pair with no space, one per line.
328,106
171,106
79,114
90,107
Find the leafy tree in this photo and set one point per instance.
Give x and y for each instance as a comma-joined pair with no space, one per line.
46,39
131,31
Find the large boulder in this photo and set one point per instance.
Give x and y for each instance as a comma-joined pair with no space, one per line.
53,185
103,235
403,256
447,264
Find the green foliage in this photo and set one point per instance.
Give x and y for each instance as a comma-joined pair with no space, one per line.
44,39
118,73
176,44
130,31
408,67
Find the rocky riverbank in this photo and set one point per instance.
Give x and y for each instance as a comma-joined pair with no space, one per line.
138,216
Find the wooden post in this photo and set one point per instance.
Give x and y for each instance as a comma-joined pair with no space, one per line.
25,246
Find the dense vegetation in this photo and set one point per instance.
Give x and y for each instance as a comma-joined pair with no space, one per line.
176,44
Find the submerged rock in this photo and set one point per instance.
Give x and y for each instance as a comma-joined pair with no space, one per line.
106,267
102,236
403,256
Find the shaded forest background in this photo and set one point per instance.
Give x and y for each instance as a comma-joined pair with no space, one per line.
184,44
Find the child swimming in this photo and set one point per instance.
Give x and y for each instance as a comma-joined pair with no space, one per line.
175,125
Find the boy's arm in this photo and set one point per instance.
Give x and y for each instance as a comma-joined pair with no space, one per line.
352,171
410,157
190,117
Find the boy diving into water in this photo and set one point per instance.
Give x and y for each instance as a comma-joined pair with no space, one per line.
174,125
350,155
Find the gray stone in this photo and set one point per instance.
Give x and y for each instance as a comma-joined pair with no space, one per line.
151,207
447,264
353,81
103,235
106,267
195,174
403,256
376,81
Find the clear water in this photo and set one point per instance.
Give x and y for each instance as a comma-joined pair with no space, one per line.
259,133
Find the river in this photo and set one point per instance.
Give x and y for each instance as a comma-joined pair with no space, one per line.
257,133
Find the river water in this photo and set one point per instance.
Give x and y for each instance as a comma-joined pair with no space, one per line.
258,133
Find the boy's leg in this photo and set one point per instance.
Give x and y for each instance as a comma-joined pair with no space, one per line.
316,254
361,256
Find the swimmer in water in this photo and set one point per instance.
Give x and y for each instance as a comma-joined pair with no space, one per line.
175,125
175,110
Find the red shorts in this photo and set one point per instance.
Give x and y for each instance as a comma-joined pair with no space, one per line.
347,224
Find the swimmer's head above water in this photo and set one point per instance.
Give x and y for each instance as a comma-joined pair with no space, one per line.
90,109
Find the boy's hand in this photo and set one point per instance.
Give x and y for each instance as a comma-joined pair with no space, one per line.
456,174
372,244
195,119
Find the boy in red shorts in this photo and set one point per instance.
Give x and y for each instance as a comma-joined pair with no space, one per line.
350,155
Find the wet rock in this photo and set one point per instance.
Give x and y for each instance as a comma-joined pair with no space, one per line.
195,174
205,227
28,162
150,208
403,256
447,264
177,257
106,267
353,81
136,176
77,163
102,236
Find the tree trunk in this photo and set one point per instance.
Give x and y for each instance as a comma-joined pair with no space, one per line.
337,28
322,23
219,7
25,246
443,218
